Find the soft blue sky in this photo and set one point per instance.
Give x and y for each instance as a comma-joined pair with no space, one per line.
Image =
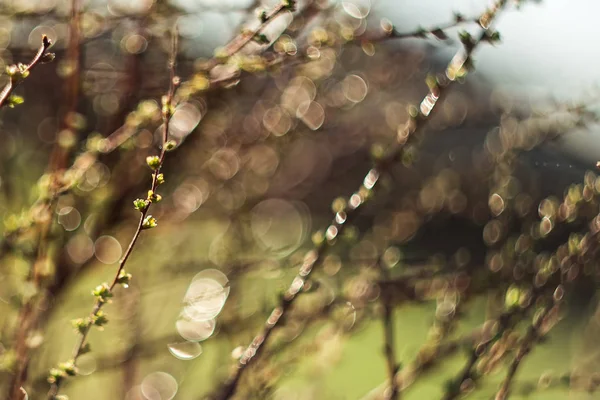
547,49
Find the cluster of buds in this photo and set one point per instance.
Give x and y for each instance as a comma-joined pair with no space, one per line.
62,371
102,293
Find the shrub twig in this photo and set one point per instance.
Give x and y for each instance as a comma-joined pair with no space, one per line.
17,73
389,348
533,335
104,292
457,68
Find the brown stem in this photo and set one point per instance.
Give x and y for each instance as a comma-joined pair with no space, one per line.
166,115
60,152
314,258
13,83
29,313
389,348
532,336
588,245
28,317
240,41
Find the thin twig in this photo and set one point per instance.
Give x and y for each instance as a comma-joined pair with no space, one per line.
61,152
436,31
20,72
241,40
457,68
531,337
389,348
166,115
113,141
504,322
28,316
586,248
428,357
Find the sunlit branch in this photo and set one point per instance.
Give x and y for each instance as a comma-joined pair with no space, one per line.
17,73
457,68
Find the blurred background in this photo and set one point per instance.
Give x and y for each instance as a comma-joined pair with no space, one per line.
285,133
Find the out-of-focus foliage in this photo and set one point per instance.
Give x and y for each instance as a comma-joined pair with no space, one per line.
472,247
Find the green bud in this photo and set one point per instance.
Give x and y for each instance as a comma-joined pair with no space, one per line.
512,297
289,4
149,222
491,36
81,325
466,39
263,16
261,38
102,292
12,70
170,145
56,375
15,100
68,368
168,110
140,204
154,197
160,179
153,162
99,319
124,278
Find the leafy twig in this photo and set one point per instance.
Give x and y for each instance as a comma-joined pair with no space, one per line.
27,317
240,41
572,254
104,292
17,73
